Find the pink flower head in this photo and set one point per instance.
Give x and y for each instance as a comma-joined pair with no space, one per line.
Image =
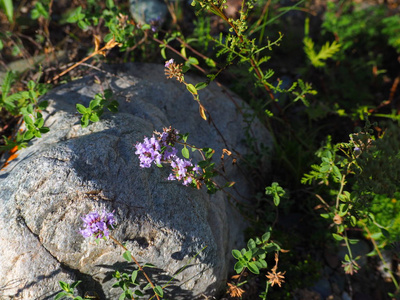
97,224
169,62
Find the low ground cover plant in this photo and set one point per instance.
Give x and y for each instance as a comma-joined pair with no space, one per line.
322,78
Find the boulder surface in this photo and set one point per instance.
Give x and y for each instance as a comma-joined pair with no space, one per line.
72,171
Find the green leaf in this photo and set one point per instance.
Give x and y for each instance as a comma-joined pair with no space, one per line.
185,68
263,263
277,200
37,134
64,286
236,254
164,56
127,256
325,216
146,27
29,109
266,237
108,94
337,237
353,220
190,87
75,284
193,61
7,5
76,15
83,25
60,295
238,267
248,255
158,290
185,153
43,105
148,286
211,63
6,86
134,276
113,106
81,109
31,85
376,235
110,4
139,293
327,51
44,129
39,122
94,103
201,85
148,265
94,118
85,121
251,244
39,11
183,52
28,120
253,268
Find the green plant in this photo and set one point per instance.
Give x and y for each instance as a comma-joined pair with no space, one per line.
392,31
352,172
40,10
27,105
119,26
327,51
68,291
253,258
276,192
96,107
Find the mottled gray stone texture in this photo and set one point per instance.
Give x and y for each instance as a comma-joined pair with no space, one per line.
71,171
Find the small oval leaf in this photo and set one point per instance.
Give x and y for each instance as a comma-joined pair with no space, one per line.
190,87
185,153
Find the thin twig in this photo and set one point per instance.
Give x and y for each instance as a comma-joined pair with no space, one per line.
137,263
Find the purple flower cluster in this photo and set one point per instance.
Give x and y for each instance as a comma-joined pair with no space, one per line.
149,151
161,149
183,170
97,224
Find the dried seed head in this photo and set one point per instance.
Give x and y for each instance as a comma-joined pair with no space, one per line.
174,70
337,219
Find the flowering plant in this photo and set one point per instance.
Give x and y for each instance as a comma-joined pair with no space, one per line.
160,149
98,224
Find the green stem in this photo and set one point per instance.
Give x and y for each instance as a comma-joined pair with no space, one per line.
342,184
137,263
348,245
381,256
193,147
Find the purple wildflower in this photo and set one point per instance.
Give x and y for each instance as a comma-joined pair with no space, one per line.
169,153
169,62
183,170
155,23
97,224
149,151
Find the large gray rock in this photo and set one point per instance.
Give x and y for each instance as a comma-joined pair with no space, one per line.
71,171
